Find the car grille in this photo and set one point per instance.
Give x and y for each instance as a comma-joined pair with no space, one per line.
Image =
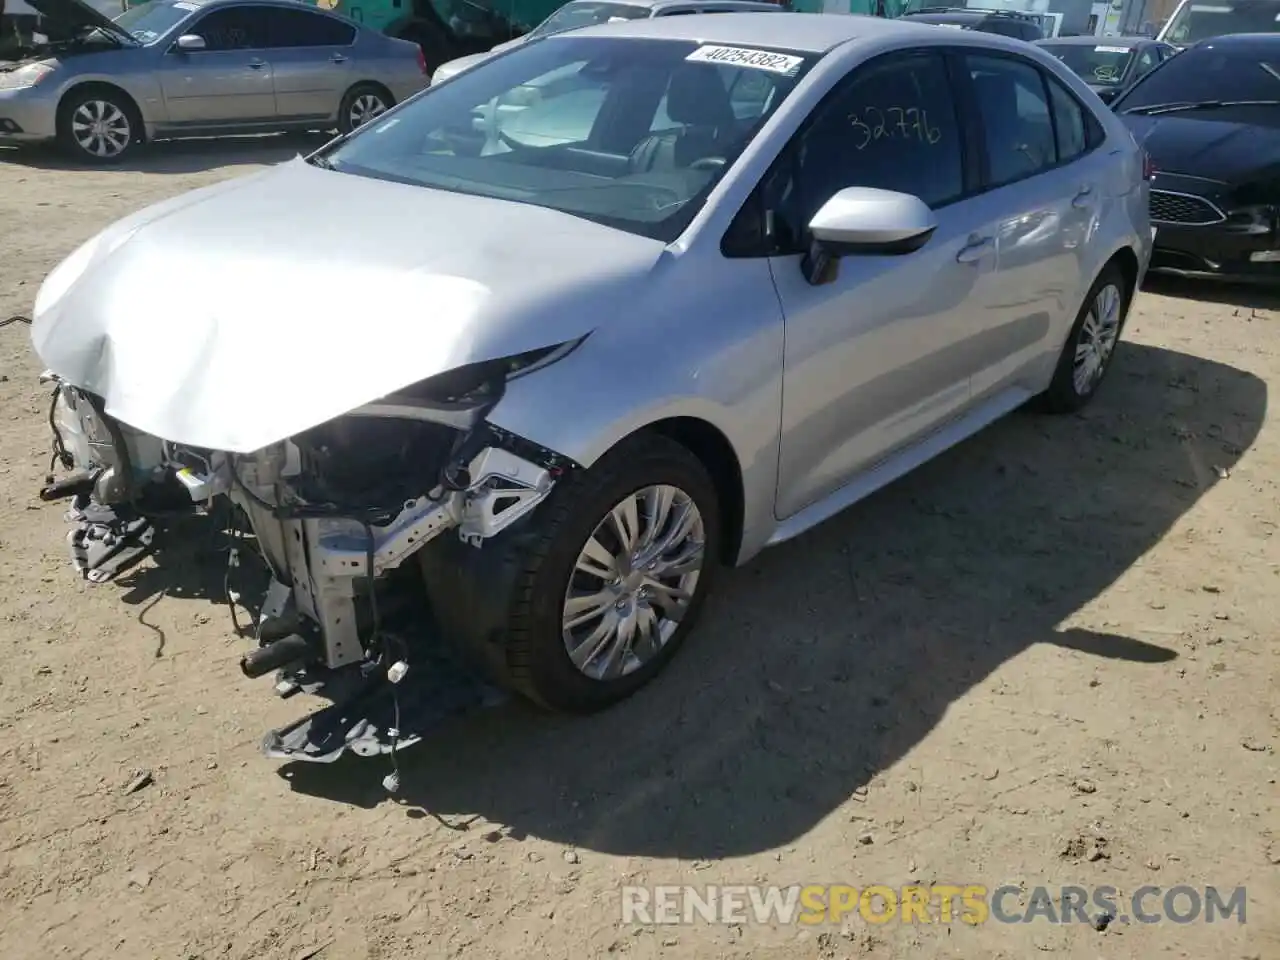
1170,207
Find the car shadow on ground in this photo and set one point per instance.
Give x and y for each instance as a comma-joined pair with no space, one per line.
827,659
179,156
1251,295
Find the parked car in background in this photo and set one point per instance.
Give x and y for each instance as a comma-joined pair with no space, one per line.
1210,121
571,368
1197,20
173,68
1109,65
1006,23
581,13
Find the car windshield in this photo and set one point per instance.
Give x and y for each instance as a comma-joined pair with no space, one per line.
1100,63
1199,21
584,13
150,21
627,132
1204,75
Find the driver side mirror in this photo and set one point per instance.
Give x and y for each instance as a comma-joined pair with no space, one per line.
189,42
863,221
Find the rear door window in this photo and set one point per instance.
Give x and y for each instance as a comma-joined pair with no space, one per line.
300,28
1069,122
1017,126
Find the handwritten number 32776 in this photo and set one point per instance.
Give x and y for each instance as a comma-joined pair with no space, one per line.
893,123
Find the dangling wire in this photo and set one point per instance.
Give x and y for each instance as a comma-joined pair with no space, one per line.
376,643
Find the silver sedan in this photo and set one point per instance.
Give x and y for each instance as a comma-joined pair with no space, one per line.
590,322
173,68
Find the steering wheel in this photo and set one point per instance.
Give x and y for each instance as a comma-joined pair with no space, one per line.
707,163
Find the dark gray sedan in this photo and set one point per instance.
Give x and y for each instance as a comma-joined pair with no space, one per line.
173,68
1109,65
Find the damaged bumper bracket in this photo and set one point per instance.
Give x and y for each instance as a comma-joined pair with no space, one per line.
379,716
103,543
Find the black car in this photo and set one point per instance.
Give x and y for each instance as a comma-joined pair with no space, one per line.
1007,23
1109,64
1195,21
1209,120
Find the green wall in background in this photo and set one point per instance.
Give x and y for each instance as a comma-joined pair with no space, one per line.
892,8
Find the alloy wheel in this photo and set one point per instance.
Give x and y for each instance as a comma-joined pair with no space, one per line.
633,581
1097,341
364,108
101,129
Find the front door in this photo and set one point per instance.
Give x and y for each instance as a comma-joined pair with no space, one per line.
229,81
310,60
882,354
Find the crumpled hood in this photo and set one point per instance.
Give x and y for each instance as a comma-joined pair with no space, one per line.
241,314
75,13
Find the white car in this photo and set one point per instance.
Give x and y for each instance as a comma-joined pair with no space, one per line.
584,13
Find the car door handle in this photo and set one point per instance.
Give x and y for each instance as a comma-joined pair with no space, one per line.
256,64
975,249
337,58
1082,197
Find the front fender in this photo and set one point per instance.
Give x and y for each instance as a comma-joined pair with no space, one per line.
709,348
140,85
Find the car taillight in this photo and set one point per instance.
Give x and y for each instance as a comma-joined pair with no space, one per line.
1148,167
422,61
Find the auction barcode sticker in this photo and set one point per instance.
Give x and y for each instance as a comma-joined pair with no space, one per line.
746,57
1110,49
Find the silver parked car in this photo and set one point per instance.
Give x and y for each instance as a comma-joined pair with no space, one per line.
709,281
172,68
583,13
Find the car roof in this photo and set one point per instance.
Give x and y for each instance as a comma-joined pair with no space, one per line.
942,16
1095,41
662,4
209,4
971,13
801,32
1243,41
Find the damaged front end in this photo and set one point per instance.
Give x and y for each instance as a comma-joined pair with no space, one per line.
334,510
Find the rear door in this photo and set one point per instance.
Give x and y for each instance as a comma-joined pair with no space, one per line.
1044,190
230,80
311,59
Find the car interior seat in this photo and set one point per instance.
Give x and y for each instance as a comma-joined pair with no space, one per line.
698,101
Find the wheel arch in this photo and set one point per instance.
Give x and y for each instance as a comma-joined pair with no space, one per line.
378,85
1127,261
712,448
85,86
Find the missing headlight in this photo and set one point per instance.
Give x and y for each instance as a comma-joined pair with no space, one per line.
371,463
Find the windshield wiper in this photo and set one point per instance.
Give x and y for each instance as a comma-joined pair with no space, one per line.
1155,108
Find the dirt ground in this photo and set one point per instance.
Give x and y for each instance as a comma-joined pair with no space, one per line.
1048,658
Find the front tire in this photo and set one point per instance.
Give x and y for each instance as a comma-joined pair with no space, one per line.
610,574
1091,344
99,126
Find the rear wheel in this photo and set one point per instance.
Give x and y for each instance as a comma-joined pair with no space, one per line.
1086,356
363,102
